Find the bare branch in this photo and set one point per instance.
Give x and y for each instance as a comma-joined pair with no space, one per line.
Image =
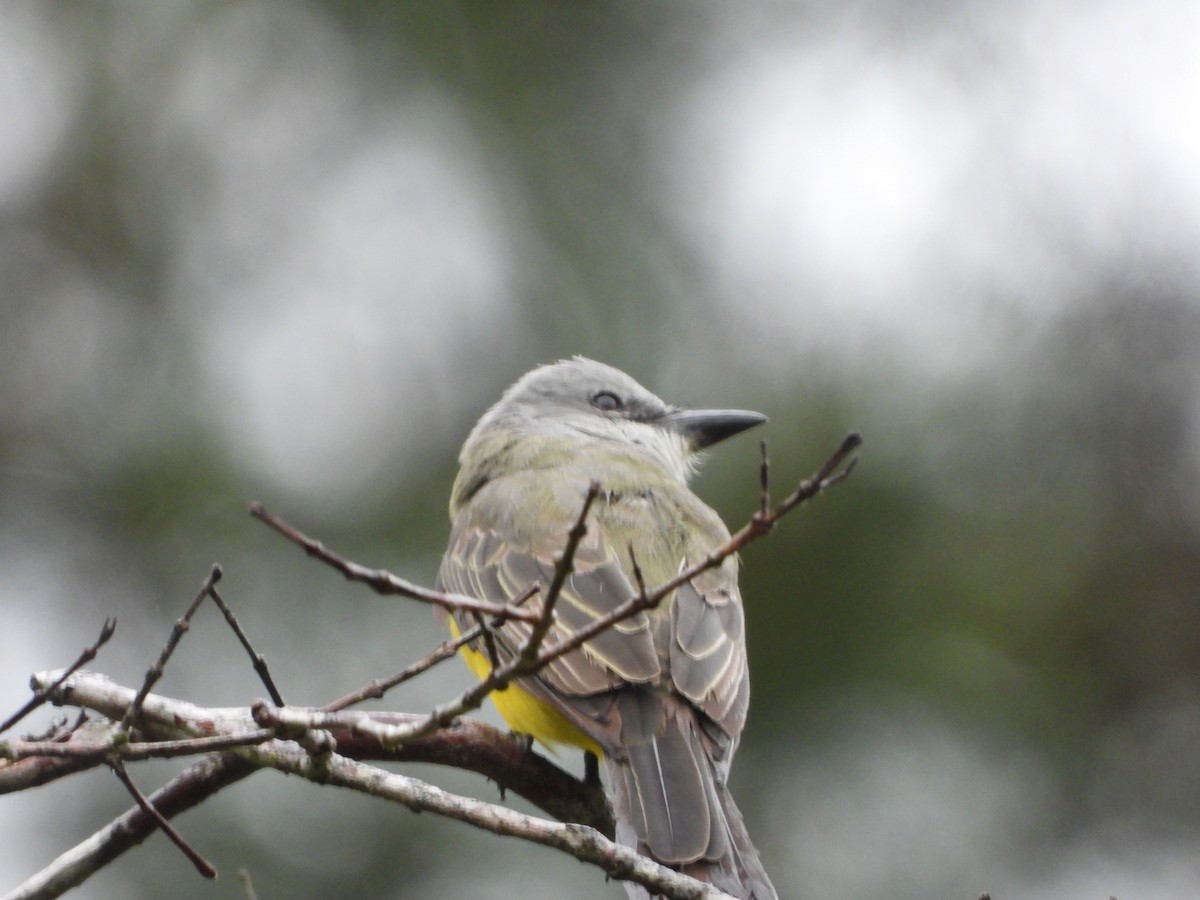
376,689
21,770
183,792
85,657
163,717
156,671
104,744
203,866
256,659
177,728
639,578
582,842
563,567
834,470
469,745
837,468
530,592
383,582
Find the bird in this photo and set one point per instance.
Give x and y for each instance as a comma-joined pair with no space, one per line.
661,697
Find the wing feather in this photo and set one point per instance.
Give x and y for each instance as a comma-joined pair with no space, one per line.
481,563
707,650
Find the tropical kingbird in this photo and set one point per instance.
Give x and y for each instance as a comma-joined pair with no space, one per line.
661,696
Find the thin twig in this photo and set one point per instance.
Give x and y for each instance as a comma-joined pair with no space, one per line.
177,632
383,582
489,640
257,659
188,789
41,694
532,591
203,866
563,567
639,578
835,469
376,689
132,751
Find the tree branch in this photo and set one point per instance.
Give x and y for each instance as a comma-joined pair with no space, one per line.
40,694
384,582
174,716
181,793
174,728
584,843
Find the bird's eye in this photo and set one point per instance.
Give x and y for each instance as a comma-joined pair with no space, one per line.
606,401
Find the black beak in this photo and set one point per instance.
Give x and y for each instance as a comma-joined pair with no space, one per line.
705,427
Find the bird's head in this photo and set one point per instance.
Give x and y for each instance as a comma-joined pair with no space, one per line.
582,400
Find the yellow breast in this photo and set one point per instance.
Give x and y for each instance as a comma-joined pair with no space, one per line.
525,713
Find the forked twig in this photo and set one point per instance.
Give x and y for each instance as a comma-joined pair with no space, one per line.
155,672
40,695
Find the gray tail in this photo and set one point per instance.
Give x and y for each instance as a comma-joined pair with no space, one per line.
672,805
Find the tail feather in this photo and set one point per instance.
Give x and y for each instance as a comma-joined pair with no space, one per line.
671,784
739,872
671,804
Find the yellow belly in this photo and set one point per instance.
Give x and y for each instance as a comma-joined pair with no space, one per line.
525,713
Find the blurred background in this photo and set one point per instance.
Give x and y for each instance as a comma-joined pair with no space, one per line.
290,252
